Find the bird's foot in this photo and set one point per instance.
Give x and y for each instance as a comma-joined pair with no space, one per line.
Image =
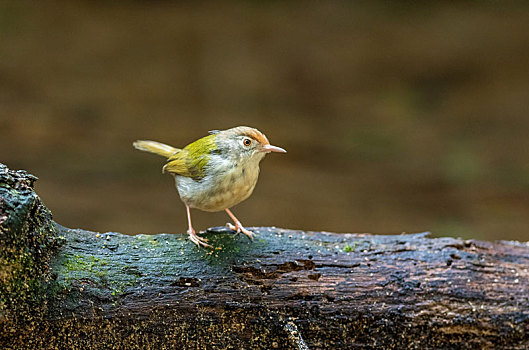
199,241
240,228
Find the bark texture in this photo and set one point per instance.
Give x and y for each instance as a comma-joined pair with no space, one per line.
286,289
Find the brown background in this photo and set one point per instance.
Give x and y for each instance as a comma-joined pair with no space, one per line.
396,117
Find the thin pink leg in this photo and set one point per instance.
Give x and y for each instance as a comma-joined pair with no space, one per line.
190,230
199,241
238,226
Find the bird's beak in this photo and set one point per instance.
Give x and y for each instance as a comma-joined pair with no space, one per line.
270,148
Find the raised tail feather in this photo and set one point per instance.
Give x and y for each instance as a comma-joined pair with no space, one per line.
155,147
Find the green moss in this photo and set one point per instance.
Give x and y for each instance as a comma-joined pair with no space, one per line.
27,240
75,263
348,248
80,263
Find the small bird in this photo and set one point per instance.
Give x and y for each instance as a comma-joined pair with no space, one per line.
216,172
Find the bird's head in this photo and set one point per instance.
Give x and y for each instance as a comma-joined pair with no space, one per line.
245,143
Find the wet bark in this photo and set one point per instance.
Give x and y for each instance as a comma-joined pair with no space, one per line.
286,289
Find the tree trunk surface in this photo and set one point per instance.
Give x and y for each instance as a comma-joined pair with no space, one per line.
70,288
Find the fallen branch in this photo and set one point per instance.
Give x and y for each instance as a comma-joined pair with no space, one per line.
286,289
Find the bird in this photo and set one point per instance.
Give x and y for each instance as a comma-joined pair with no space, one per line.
215,172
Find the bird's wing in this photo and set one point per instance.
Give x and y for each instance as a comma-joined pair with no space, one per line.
176,164
192,161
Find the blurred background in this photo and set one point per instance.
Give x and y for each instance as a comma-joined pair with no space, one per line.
397,116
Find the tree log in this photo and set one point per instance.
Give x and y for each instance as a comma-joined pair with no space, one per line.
70,288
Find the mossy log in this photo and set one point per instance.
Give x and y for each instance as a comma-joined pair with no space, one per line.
70,288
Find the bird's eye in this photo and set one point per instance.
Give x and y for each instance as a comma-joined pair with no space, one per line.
247,142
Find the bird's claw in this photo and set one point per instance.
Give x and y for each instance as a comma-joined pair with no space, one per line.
239,228
199,241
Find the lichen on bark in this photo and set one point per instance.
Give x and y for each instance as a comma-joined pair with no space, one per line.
27,240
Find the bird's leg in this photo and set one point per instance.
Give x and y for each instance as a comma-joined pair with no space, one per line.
199,241
238,226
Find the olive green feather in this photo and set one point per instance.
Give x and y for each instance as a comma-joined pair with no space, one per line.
156,148
193,159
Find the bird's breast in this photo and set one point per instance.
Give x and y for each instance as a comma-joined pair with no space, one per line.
219,190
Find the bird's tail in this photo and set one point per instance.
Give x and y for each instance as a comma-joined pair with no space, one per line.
155,147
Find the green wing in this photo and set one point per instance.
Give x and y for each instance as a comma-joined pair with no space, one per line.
193,159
